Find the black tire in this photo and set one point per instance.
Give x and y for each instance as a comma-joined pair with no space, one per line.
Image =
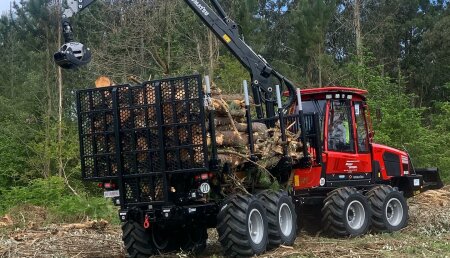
234,227
280,232
389,209
193,239
140,242
346,212
137,240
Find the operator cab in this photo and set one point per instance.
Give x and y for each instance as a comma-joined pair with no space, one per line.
348,153
345,123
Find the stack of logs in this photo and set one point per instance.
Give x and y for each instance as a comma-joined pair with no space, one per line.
232,135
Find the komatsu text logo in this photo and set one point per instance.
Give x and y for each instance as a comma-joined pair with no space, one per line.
201,7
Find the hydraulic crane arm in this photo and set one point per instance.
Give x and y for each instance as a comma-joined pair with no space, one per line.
74,54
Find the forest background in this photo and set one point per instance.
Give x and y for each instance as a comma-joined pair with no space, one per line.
399,50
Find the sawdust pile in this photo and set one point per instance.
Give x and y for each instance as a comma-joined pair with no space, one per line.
430,212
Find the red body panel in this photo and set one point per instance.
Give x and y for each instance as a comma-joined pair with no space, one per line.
307,178
346,164
378,152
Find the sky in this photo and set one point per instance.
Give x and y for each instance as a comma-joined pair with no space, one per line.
4,5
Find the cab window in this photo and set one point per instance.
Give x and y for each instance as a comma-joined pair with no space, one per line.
315,106
340,137
361,128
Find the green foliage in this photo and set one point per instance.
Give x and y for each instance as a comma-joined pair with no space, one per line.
52,193
231,74
402,124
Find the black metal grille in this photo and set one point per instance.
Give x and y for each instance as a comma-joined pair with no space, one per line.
142,134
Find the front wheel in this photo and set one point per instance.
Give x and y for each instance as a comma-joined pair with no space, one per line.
389,209
346,212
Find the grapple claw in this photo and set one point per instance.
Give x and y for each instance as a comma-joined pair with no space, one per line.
72,55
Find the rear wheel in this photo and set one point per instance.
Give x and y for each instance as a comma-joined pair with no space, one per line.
346,212
242,226
281,217
137,240
140,242
389,209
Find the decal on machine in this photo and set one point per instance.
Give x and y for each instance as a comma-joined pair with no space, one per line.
405,160
355,176
200,7
351,165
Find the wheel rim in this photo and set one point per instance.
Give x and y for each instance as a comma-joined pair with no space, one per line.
256,226
285,219
394,212
356,215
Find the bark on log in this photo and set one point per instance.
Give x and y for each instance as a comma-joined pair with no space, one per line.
234,97
242,127
233,139
232,160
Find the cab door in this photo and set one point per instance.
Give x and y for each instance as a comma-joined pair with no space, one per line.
347,153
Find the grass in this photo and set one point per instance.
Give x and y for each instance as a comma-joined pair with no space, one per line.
46,201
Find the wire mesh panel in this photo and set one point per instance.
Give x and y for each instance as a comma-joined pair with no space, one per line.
97,135
143,134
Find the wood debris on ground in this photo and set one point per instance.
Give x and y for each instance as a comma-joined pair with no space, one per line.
6,221
86,239
100,239
430,212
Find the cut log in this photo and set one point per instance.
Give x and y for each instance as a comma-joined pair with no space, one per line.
256,127
222,110
233,160
103,81
234,97
242,127
233,139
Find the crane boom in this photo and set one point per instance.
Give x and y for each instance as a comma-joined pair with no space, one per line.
74,54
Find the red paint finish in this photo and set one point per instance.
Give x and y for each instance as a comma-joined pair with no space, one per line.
348,163
338,162
378,151
328,90
320,93
307,177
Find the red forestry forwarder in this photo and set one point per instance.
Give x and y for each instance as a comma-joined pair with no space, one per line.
147,145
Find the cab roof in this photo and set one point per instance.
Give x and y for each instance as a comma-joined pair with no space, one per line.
326,90
321,93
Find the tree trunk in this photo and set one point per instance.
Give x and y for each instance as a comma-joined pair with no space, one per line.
46,169
319,65
211,54
358,33
60,108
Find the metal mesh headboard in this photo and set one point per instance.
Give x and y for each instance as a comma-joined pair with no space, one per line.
143,133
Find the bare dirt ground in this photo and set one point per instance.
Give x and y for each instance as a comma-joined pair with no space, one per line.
427,235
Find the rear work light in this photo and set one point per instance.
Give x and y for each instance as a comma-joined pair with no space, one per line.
204,176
